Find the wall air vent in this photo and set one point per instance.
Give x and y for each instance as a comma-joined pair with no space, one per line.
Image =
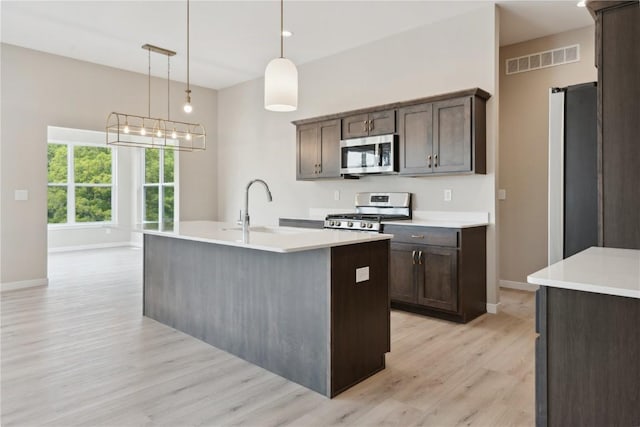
548,58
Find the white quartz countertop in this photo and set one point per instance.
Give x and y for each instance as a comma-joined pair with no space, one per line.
267,238
444,219
601,270
437,223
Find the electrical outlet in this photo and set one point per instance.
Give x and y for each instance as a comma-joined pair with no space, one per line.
447,195
21,195
502,194
336,195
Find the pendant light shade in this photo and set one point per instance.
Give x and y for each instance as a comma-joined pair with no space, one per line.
281,85
281,78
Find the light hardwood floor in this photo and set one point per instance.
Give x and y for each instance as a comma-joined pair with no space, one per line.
80,353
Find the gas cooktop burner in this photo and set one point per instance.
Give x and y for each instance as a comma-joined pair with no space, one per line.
371,210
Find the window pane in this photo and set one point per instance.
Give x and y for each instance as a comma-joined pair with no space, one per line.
57,204
167,208
151,166
168,165
93,204
151,204
92,165
57,163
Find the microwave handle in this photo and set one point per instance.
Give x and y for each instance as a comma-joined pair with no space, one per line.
377,155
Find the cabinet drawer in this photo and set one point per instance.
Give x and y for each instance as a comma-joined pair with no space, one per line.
423,235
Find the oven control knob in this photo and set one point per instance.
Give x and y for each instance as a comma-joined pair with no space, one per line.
350,224
336,223
370,225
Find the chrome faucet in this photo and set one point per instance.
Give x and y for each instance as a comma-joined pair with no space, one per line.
245,218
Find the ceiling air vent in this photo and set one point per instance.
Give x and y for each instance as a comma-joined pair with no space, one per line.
548,58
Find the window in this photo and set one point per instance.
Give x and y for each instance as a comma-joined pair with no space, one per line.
81,189
158,191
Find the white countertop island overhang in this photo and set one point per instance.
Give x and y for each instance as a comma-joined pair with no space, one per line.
608,271
267,238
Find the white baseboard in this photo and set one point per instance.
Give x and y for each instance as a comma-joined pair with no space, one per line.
86,247
23,284
518,285
493,308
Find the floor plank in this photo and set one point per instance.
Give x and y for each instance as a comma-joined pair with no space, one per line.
79,352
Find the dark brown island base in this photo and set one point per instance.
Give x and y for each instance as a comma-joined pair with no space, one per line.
309,305
588,348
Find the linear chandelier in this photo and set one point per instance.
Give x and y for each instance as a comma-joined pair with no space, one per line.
153,132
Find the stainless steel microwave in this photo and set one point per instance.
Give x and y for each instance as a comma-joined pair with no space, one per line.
373,154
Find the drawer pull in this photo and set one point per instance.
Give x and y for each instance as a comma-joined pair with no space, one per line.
420,257
413,257
417,236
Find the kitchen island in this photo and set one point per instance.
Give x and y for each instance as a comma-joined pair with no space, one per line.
588,318
309,305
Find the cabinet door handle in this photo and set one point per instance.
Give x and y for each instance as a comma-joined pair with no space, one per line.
417,236
413,257
420,257
370,125
435,161
429,161
365,126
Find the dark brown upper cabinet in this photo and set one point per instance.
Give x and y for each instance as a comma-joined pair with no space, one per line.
618,60
441,134
443,137
318,150
415,126
369,124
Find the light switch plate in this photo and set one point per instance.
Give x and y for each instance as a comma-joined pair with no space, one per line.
502,194
447,195
336,195
362,274
21,195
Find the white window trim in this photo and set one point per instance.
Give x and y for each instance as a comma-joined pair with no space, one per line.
83,138
160,185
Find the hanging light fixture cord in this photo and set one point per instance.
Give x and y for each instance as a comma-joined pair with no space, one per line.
168,87
149,84
188,86
281,28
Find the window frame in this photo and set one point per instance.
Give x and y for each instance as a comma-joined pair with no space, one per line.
160,185
71,185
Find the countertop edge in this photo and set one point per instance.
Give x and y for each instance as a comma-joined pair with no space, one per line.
239,244
584,287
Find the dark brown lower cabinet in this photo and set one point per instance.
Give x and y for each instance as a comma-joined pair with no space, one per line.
587,359
446,277
402,280
438,278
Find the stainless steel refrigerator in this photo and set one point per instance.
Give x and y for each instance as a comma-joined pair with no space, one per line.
573,175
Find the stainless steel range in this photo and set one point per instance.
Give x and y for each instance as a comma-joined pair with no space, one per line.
371,210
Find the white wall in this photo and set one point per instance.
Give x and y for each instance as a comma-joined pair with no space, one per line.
39,90
456,54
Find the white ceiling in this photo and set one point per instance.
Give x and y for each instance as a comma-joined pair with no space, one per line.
232,41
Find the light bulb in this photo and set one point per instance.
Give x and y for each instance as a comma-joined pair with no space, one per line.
126,129
159,133
143,131
187,107
174,135
188,137
581,3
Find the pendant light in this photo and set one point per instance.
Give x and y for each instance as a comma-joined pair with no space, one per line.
188,108
155,132
281,78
